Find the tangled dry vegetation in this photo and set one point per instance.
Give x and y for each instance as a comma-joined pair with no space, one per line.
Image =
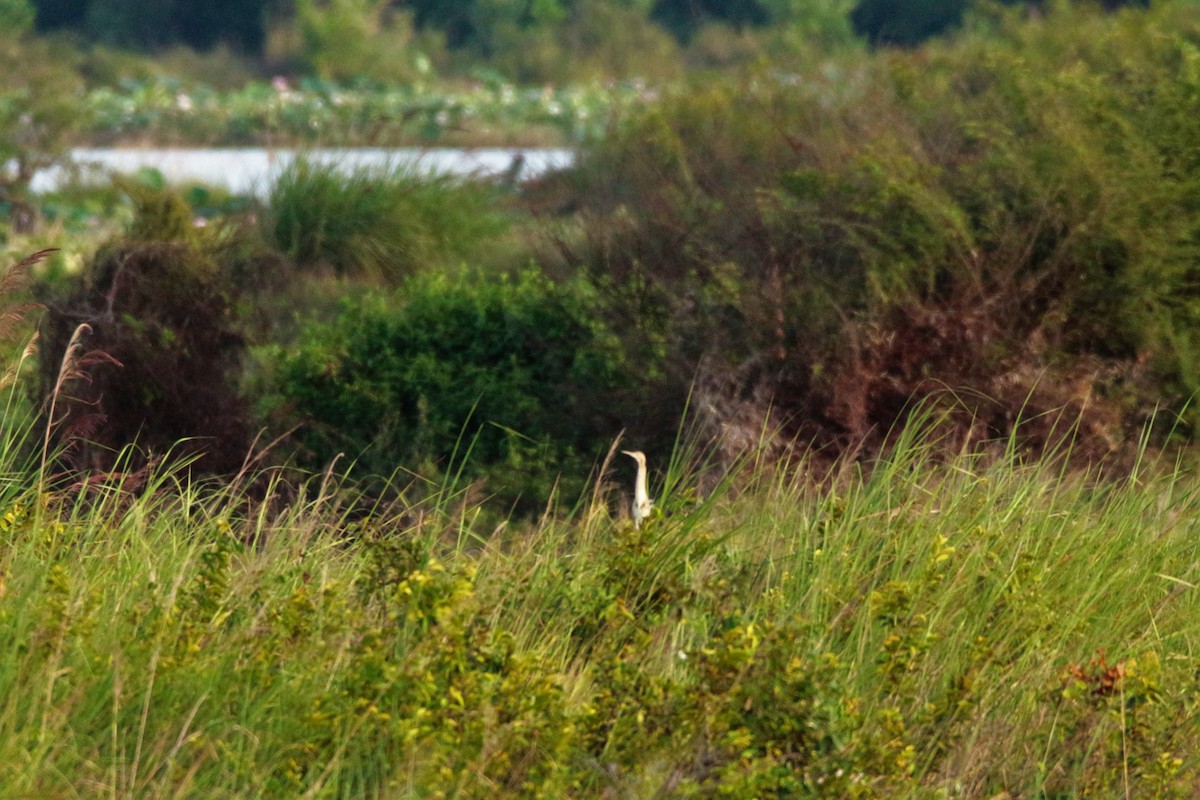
1007,221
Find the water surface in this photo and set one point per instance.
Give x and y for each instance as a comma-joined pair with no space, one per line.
251,170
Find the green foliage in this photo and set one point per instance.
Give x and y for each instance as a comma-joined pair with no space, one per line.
148,25
124,23
350,39
381,224
39,111
496,30
906,23
514,376
160,214
969,627
593,39
16,17
531,42
806,25
527,40
1010,216
684,18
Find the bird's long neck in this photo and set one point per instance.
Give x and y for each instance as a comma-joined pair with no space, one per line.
640,493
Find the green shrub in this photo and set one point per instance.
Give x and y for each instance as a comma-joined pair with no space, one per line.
594,40
514,370
381,224
354,39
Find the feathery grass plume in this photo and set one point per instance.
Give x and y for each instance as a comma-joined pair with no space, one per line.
13,281
596,505
9,378
73,367
18,424
16,416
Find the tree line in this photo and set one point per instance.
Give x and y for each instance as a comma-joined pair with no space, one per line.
470,25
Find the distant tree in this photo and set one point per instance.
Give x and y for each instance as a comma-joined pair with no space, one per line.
494,25
452,19
143,24
539,40
150,24
910,22
906,22
53,14
238,23
344,39
39,108
484,25
824,22
684,17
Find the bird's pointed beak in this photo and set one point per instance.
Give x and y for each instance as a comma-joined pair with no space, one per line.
629,453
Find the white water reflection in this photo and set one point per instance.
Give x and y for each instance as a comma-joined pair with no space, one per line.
251,170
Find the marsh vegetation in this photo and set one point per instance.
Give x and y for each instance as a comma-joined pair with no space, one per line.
320,494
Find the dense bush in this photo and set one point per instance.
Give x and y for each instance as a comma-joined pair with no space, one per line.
352,39
588,40
514,376
141,348
1013,218
379,224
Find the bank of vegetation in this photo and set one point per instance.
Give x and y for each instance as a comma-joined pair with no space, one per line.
940,626
318,495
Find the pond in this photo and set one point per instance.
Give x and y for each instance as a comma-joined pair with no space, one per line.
251,170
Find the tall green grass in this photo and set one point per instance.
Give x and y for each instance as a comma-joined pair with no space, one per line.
384,224
961,626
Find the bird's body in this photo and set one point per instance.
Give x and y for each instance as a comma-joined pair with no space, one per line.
642,504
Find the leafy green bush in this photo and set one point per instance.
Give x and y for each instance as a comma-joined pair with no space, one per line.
353,39
591,40
513,375
380,224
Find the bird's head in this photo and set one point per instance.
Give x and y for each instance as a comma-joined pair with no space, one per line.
636,455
